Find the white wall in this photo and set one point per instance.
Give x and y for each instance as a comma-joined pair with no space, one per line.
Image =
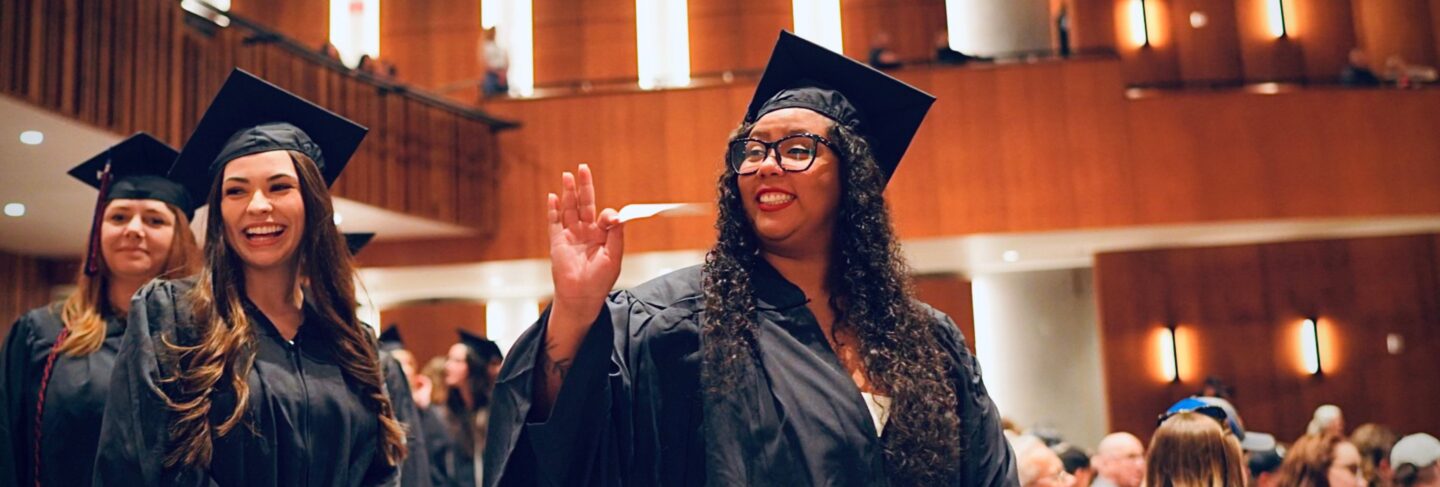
989,27
1038,342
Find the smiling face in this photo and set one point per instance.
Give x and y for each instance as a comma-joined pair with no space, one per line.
135,237
793,210
263,210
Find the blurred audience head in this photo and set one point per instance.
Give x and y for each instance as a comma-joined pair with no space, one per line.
1038,465
1327,419
1119,461
1077,462
1374,442
1321,460
1191,449
1264,467
1414,459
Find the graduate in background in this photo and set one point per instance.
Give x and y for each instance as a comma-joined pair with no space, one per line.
796,355
55,365
471,366
257,372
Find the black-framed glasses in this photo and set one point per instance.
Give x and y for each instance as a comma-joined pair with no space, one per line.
794,153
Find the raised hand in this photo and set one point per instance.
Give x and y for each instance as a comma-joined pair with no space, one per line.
585,253
585,247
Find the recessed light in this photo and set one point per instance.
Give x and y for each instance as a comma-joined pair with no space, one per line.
1198,19
32,137
338,219
15,209
1010,256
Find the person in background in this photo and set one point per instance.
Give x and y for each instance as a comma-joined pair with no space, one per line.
1077,463
471,367
1264,467
882,56
1374,442
1327,419
1038,465
1193,447
1357,70
1119,461
496,63
1414,458
56,362
1321,460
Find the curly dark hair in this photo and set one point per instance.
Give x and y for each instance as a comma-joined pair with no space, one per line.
870,294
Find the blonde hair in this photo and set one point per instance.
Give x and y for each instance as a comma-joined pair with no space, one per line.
82,311
1194,450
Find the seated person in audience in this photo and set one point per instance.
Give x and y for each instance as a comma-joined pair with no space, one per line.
1077,462
1374,442
1321,460
1039,465
945,55
1414,458
881,55
1327,419
1406,75
1264,467
1195,446
1357,71
1119,461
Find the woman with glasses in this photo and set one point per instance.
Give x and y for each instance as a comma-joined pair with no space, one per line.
796,355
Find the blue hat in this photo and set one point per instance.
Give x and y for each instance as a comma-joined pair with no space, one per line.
1225,413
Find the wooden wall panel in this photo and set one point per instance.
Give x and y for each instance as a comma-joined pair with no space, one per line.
1267,58
1397,27
1239,310
1210,53
429,328
910,24
592,40
25,283
432,43
306,21
1017,148
1325,30
129,66
1093,27
951,294
734,35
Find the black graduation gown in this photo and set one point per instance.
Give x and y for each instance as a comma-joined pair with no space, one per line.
75,400
631,409
306,425
441,443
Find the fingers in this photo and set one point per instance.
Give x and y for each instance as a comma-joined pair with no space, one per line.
569,212
586,194
552,213
614,231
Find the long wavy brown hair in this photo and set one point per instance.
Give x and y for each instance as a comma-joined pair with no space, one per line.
225,352
1307,463
1193,450
84,311
870,294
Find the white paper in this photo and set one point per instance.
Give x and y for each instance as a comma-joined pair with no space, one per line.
638,211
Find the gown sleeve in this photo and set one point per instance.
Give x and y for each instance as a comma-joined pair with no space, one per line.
15,361
586,438
988,460
415,472
134,435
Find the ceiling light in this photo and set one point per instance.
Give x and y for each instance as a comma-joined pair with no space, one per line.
15,209
1010,256
32,137
338,219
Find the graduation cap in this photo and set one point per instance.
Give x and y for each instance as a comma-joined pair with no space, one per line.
390,339
802,74
357,241
250,116
487,349
132,169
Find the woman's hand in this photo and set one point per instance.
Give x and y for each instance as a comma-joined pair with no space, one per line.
585,248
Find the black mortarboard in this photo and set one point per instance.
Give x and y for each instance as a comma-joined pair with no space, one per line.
357,241
802,74
132,169
487,349
390,339
249,116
